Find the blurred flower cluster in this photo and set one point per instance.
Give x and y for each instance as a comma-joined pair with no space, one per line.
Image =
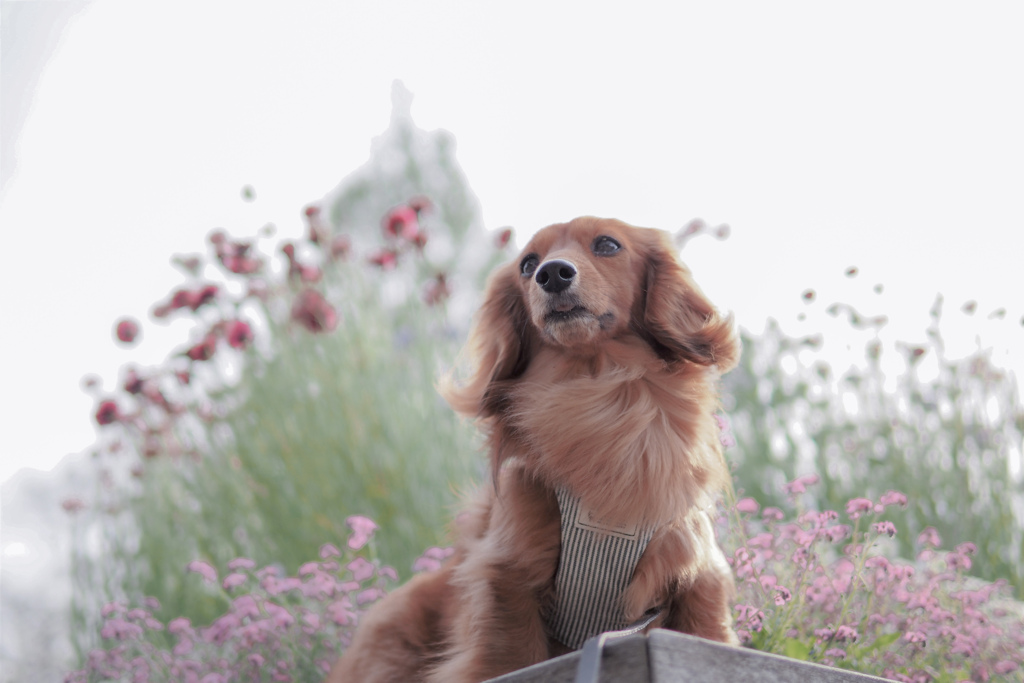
276,628
827,587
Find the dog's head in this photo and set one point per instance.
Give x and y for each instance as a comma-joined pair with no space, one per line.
579,284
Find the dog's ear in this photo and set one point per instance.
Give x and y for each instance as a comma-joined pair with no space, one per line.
675,316
500,347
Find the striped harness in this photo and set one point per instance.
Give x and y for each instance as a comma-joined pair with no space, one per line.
595,565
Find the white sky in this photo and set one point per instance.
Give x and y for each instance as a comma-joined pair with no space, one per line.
877,134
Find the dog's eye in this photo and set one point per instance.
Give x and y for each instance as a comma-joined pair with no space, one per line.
529,264
605,246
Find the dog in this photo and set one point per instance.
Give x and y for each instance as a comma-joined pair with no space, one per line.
595,359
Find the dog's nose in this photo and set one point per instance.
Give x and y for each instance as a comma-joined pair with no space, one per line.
555,276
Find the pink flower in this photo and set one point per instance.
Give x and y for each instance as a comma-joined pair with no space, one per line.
887,528
1005,666
893,498
241,563
203,350
328,550
847,633
430,560
772,515
127,330
246,606
281,616
120,629
747,506
401,223
72,505
916,637
313,312
179,626
369,595
239,334
384,258
107,413
340,612
234,580
503,237
204,569
361,569
929,537
800,484
858,506
362,530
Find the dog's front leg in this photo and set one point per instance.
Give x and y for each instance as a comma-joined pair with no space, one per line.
502,586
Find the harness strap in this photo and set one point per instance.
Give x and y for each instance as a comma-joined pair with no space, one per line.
589,669
596,564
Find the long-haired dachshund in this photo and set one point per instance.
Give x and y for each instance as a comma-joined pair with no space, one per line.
594,366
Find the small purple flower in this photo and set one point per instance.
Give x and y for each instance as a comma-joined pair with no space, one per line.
234,580
893,498
281,616
329,550
747,506
847,633
369,595
340,612
204,569
241,563
800,484
246,606
120,629
361,569
362,530
824,633
887,528
858,506
929,537
179,626
916,637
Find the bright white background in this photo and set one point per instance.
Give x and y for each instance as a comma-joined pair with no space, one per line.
886,135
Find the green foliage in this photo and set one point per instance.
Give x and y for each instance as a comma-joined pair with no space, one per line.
327,426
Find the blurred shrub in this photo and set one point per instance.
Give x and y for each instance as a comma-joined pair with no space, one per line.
304,396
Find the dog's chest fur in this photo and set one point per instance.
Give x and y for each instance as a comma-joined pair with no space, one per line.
627,433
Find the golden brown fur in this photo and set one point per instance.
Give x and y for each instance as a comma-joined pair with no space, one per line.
606,387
